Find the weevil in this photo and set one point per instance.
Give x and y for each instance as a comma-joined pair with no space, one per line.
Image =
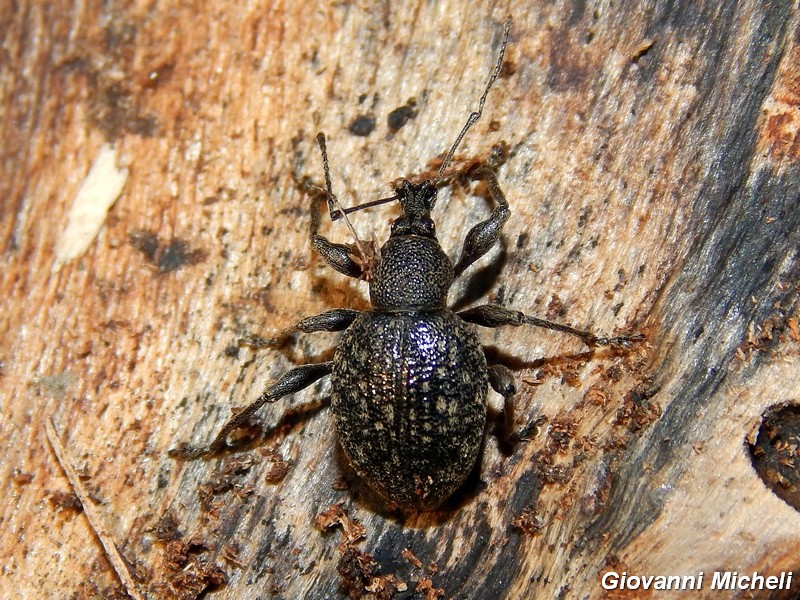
409,378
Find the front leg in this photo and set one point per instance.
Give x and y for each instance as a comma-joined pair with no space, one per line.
338,256
353,261
485,234
492,315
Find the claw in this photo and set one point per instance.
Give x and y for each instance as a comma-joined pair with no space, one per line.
623,342
188,452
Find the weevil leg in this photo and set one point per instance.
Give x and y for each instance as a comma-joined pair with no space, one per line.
501,378
338,256
341,257
292,381
337,319
485,234
502,381
492,315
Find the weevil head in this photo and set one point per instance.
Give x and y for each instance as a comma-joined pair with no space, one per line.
417,201
413,273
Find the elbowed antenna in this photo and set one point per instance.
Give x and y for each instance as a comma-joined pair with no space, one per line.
335,208
333,203
475,115
352,209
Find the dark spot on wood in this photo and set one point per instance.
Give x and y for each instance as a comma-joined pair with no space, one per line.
223,194
158,75
340,484
176,254
362,125
401,115
508,69
356,569
114,111
166,257
145,242
584,216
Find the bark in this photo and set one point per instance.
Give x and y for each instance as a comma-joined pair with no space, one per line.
652,177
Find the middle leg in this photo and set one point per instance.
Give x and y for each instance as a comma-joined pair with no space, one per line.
337,319
492,315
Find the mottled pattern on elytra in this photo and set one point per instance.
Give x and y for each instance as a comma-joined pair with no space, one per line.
409,402
413,273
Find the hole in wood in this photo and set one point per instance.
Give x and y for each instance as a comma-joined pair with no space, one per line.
776,452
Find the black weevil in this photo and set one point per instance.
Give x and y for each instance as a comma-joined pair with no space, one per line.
409,378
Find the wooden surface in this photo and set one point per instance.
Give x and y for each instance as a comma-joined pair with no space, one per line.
653,179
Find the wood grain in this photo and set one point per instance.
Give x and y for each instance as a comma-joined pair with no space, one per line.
652,175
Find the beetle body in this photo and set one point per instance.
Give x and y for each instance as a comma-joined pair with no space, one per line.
409,402
409,377
409,382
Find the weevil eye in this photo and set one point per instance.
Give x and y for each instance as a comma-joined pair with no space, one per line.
426,227
400,226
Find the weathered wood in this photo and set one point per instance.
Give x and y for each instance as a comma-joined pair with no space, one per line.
653,177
